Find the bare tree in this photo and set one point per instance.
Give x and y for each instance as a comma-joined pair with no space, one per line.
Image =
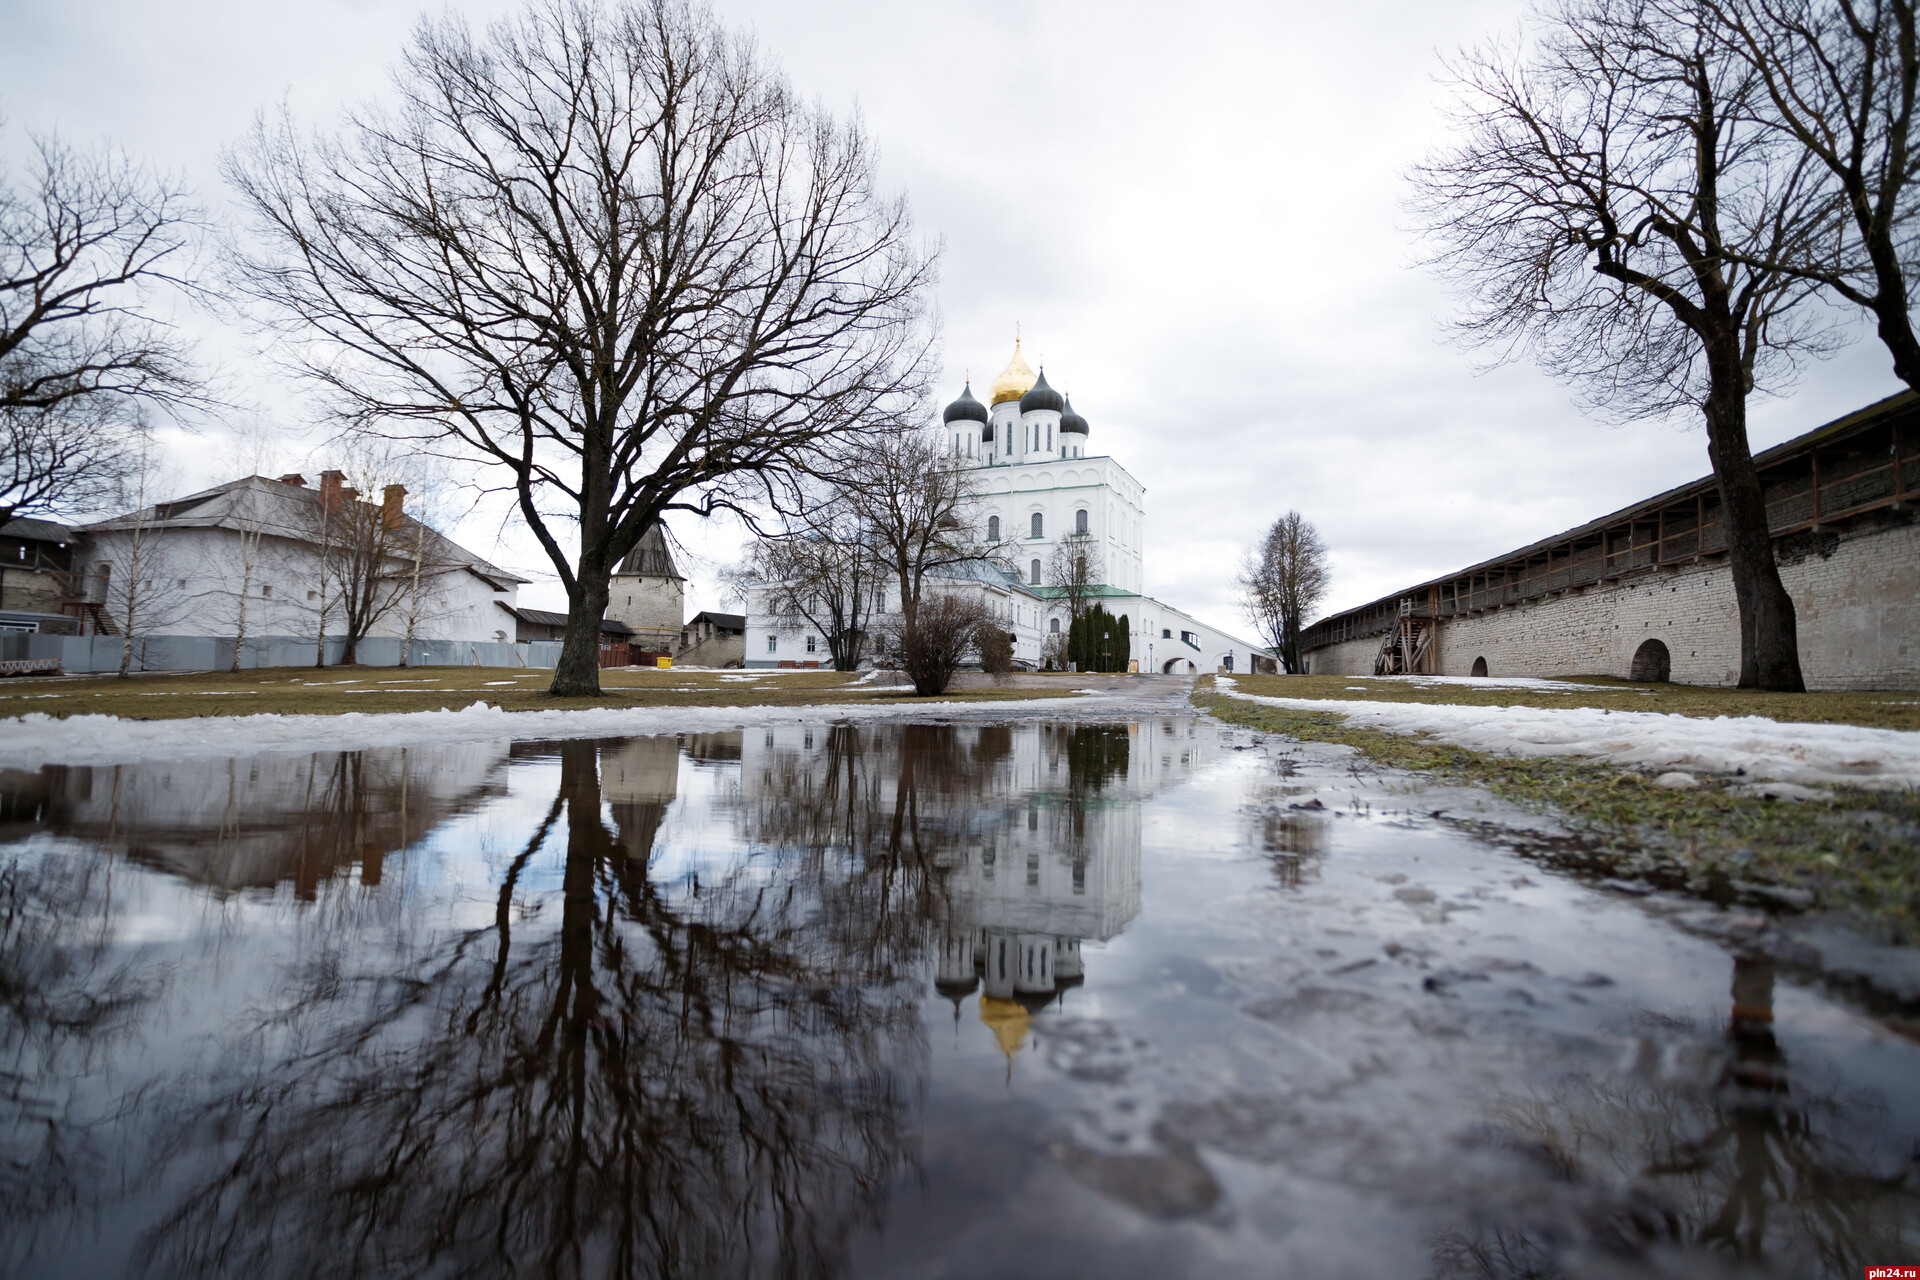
1283,578
827,573
1074,572
1614,209
605,250
251,514
1841,80
141,588
375,562
945,629
89,243
917,503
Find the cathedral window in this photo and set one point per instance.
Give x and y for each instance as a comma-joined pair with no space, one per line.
993,528
1053,625
1049,435
1080,520
1035,569
1039,524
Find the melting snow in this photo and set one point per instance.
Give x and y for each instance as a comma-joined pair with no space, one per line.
1817,754
37,739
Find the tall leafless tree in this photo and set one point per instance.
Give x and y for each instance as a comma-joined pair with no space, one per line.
1614,208
1074,572
91,245
604,249
1841,79
917,503
826,573
1283,578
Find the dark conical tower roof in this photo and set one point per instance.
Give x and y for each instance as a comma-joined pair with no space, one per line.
966,408
650,557
1042,396
1071,421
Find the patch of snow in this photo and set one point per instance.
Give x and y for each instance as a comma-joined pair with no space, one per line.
1768,750
1497,682
1677,781
36,739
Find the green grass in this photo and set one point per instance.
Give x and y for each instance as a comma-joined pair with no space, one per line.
1881,710
336,690
1859,851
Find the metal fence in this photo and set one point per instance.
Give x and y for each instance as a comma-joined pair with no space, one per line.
79,654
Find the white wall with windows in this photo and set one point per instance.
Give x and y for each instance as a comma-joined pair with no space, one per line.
775,642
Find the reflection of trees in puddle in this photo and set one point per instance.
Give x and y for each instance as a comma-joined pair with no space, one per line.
705,1072
69,1002
1747,1167
606,1083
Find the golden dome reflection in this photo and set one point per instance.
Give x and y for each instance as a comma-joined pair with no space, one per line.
1014,381
1007,1020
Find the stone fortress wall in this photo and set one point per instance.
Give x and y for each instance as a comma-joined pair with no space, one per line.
1841,503
1857,601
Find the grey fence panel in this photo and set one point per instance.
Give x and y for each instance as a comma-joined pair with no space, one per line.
101,654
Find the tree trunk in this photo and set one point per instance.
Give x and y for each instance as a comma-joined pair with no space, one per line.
350,651
577,675
1769,640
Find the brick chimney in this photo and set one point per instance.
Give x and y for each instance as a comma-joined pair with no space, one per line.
297,480
394,496
330,486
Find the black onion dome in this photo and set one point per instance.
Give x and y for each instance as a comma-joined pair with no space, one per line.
1042,396
965,408
1071,421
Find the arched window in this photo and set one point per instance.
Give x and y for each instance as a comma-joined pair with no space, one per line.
993,528
1049,435
1039,524
1080,520
1034,571
1053,625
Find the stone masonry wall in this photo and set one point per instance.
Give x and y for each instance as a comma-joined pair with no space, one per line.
655,607
1857,598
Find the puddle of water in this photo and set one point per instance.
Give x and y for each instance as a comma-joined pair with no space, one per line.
890,1000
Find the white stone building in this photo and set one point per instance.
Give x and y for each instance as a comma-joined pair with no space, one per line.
1040,483
193,565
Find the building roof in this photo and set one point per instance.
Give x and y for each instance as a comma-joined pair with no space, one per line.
1071,421
1014,380
547,618
281,510
1041,395
725,621
650,557
966,407
28,529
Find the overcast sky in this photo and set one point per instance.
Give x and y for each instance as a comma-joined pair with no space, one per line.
1193,212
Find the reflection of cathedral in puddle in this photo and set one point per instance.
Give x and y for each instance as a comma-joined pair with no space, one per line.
1031,834
1058,867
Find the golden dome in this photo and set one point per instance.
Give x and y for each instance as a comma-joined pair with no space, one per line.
1014,381
1007,1020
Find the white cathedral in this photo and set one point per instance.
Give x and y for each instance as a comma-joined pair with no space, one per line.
1041,484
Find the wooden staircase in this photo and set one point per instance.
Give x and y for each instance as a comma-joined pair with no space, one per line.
1409,647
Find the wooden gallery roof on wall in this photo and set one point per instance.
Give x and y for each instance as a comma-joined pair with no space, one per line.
1868,461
